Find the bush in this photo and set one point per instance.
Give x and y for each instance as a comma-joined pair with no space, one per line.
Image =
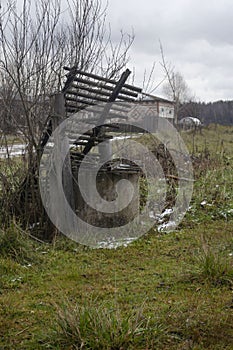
15,244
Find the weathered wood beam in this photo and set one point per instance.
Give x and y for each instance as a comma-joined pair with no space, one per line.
110,81
111,106
100,86
98,92
96,98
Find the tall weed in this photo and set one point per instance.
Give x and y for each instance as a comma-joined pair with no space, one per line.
100,327
15,244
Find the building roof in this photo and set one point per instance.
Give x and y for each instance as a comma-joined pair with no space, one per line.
147,98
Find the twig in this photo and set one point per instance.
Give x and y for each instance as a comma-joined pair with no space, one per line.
179,178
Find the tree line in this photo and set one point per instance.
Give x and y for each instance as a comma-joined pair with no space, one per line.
218,112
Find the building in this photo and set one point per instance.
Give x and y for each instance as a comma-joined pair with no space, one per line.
147,110
159,106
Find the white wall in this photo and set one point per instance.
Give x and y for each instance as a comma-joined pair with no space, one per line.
166,110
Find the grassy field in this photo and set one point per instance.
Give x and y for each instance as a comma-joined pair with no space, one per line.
163,291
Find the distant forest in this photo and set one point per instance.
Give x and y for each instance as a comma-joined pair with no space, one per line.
220,112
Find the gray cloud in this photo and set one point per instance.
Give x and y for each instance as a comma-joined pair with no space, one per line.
196,37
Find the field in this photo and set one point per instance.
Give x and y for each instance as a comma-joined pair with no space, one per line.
163,291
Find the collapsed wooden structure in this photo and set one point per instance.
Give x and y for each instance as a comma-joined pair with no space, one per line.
108,104
102,104
110,101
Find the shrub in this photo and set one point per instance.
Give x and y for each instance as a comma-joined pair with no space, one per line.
214,267
100,328
15,243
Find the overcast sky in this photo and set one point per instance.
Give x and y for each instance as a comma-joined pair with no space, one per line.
196,35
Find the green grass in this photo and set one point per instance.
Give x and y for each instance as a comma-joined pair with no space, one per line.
180,297
14,244
104,327
213,139
163,291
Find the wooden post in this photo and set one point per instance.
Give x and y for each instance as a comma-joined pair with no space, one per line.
62,144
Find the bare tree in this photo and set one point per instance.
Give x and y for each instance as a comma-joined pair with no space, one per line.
37,39
175,88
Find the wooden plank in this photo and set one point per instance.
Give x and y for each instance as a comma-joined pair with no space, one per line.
83,143
90,132
111,106
86,137
96,98
111,115
57,177
100,86
100,92
67,173
110,81
71,110
58,115
89,90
